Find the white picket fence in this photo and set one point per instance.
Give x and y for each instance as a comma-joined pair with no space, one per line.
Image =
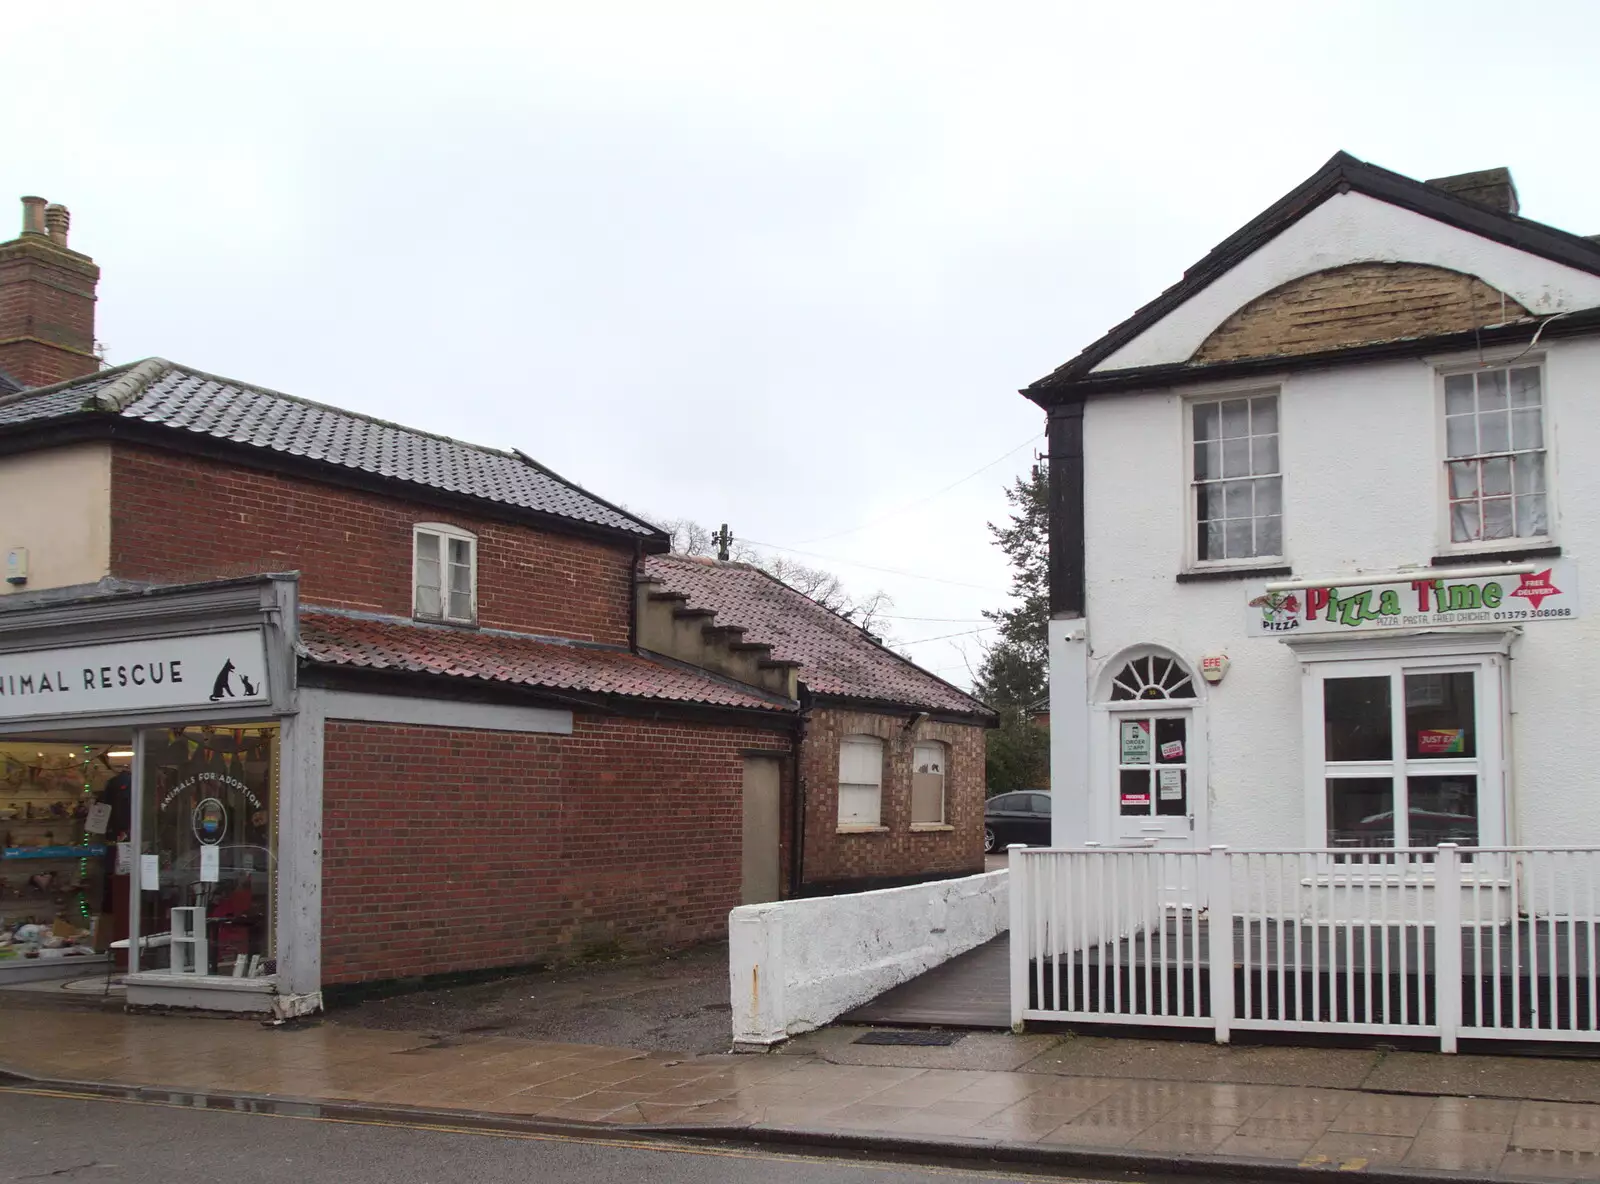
1447,942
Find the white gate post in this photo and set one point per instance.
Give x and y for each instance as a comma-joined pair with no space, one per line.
1447,943
1219,938
1017,891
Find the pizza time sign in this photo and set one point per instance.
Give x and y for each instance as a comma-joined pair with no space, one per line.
224,669
1433,598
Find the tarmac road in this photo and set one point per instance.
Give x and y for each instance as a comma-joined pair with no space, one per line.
55,1137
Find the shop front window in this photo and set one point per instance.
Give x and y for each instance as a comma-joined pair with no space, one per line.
63,809
208,850
1403,755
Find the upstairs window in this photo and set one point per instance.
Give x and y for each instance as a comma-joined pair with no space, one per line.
1238,483
445,575
860,781
927,784
1494,445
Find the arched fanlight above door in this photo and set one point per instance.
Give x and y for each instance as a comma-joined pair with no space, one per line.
1152,677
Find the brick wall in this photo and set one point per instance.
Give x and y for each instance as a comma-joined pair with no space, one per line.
178,518
46,312
448,850
1353,305
896,851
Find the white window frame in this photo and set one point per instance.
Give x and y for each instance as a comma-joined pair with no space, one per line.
1494,361
444,532
1191,518
854,823
1486,660
944,784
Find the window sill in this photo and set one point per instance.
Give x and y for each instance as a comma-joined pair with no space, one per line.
1204,574
848,829
445,621
930,827
1509,555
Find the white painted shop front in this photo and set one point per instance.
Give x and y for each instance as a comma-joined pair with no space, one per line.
1365,516
169,713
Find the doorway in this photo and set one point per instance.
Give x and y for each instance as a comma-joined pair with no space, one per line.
1150,755
208,850
762,794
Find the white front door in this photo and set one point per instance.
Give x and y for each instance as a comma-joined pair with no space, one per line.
1158,776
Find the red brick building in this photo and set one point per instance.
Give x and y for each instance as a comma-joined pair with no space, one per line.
293,699
891,757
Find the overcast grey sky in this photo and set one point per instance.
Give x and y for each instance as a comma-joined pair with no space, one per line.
783,266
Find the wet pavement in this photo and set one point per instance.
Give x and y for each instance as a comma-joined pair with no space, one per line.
676,1003
1153,1103
46,1138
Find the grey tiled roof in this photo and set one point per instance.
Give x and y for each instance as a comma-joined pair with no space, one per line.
161,393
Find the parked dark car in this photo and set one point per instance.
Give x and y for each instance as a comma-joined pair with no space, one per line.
1020,817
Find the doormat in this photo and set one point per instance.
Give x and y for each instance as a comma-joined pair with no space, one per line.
917,1039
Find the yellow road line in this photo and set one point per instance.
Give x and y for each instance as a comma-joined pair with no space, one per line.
664,1144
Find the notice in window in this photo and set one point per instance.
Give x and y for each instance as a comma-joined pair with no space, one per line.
1135,799
210,864
1441,741
1136,742
1170,784
99,817
150,873
1172,750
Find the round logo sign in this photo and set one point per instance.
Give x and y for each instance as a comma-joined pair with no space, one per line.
210,820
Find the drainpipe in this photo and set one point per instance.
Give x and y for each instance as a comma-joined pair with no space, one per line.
797,860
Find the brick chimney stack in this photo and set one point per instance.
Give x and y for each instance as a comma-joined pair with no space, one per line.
46,300
1488,187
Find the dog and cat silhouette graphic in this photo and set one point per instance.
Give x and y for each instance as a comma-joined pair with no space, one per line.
222,688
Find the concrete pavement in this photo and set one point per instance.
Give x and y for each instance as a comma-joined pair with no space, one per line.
1095,1103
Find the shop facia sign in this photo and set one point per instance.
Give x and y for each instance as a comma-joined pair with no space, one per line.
225,669
1430,600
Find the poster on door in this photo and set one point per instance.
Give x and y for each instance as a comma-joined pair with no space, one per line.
1170,785
1135,742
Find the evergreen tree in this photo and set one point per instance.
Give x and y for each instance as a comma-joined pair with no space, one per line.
1014,676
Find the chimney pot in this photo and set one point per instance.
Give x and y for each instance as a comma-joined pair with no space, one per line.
56,222
33,215
1487,187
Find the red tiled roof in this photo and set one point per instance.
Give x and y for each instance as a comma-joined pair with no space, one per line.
337,639
835,657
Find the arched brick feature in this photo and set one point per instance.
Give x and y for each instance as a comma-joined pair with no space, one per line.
1358,304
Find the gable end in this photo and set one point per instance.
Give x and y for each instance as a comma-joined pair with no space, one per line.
1357,304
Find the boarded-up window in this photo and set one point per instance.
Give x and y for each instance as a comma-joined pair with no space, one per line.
927,784
860,781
